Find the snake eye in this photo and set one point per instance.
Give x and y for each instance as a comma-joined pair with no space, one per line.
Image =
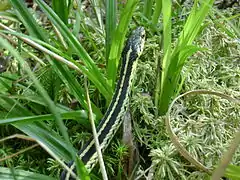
143,36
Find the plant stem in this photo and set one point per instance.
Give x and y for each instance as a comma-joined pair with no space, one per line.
227,157
156,13
148,8
111,7
95,135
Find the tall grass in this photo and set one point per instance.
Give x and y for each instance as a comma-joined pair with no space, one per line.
66,51
62,8
118,41
174,60
111,22
61,61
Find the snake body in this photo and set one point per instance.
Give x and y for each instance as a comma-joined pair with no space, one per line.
112,118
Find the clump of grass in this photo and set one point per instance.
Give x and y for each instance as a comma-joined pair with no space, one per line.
204,125
216,67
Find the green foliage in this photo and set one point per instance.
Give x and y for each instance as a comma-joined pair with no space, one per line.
195,52
118,41
6,173
156,13
165,163
232,172
111,21
5,5
148,8
61,8
91,71
25,120
173,61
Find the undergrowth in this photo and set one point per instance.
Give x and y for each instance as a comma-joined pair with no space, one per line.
204,124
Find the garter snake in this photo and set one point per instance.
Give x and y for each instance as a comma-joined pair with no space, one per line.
112,118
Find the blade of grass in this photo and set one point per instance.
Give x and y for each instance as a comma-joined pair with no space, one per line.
167,38
9,173
13,107
95,134
67,77
156,12
61,9
232,172
118,41
27,19
111,12
73,85
172,65
80,116
9,16
45,135
97,10
148,4
94,74
44,95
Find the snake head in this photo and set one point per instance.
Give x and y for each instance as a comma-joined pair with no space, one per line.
135,42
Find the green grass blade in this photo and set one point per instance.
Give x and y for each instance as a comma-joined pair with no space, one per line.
94,74
67,77
156,13
26,17
147,11
61,9
44,95
118,41
4,84
167,38
13,174
194,21
172,64
167,29
13,107
111,12
96,4
9,15
232,172
43,134
82,171
80,116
